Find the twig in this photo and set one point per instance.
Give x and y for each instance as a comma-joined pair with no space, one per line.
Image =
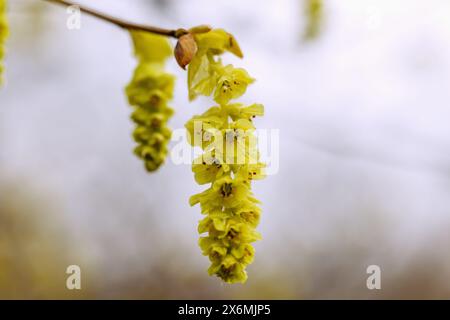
175,33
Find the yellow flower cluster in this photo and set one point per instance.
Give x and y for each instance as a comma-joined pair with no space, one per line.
230,159
4,31
148,92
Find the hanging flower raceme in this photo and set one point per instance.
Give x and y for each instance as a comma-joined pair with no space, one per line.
148,92
3,35
230,159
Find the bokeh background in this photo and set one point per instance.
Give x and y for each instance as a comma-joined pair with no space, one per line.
359,90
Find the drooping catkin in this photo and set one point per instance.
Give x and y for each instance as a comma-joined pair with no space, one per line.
149,92
230,159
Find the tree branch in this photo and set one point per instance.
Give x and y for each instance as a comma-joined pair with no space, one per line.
122,23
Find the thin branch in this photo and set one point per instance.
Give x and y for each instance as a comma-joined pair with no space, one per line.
122,23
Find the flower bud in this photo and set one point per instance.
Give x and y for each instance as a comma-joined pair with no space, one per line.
185,50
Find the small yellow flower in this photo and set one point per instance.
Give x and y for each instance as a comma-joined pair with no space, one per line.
250,213
238,111
150,85
229,270
204,69
225,192
200,128
231,84
216,42
207,168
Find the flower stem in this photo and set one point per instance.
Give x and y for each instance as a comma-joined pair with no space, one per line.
175,33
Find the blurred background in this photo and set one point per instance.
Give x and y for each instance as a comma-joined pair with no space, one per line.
360,91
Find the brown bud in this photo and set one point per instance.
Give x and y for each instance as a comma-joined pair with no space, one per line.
185,50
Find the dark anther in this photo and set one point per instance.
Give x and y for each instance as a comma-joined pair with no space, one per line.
232,234
226,189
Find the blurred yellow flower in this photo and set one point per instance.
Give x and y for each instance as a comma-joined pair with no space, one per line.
148,92
4,31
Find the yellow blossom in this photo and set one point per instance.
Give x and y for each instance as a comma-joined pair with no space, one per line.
230,159
148,93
